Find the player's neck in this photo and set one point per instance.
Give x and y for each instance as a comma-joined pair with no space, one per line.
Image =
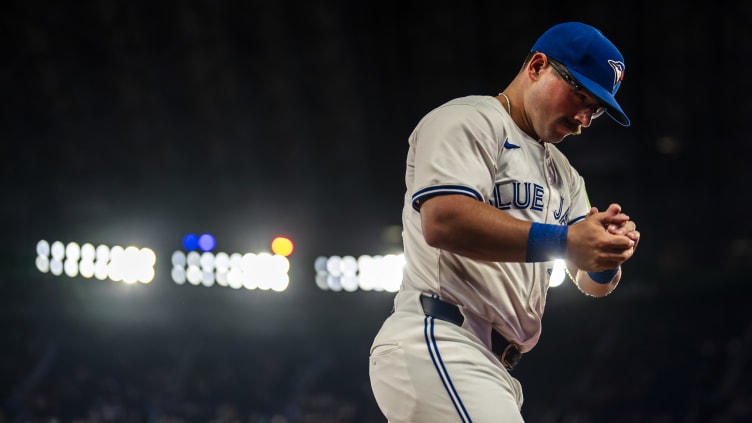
508,101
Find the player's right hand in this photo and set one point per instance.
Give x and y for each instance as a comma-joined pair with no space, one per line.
593,247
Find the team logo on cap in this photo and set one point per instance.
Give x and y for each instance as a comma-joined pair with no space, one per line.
618,68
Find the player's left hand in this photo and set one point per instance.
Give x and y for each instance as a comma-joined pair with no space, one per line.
628,229
622,226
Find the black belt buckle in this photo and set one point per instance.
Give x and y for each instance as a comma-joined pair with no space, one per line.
508,353
510,357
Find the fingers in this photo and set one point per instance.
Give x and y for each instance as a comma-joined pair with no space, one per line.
617,250
624,251
618,223
621,243
614,208
623,229
604,241
615,260
610,218
590,247
634,236
628,229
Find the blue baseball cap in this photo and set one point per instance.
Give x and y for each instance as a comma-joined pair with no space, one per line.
591,58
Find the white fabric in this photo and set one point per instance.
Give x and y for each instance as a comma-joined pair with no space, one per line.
460,148
427,370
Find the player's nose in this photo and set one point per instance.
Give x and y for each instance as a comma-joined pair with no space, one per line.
584,117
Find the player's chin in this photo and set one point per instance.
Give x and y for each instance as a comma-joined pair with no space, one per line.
562,130
557,139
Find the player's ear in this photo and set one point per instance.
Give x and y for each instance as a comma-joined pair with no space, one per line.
537,62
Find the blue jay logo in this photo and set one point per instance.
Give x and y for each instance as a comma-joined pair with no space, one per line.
618,68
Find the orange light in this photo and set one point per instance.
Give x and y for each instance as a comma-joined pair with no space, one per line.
282,246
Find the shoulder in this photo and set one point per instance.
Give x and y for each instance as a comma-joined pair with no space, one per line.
474,111
479,103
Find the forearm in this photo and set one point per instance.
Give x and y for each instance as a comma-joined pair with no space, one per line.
474,229
588,286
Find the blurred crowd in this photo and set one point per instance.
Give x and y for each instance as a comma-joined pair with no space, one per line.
142,376
681,358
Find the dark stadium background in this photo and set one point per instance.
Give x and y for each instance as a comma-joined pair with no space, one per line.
138,122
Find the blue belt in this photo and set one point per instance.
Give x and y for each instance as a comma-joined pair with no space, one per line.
508,353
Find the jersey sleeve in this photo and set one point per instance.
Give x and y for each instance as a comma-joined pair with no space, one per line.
454,153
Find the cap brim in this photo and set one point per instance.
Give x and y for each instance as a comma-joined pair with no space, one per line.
613,109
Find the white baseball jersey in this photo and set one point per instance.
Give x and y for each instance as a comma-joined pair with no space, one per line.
471,146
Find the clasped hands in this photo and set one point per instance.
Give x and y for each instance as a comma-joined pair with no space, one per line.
603,240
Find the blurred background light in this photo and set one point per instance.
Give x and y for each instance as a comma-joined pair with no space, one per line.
558,274
190,242
366,273
206,242
282,246
263,271
130,264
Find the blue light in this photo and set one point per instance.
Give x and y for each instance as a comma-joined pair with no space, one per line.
206,242
190,242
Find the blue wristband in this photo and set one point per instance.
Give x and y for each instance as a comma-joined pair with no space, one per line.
546,242
603,277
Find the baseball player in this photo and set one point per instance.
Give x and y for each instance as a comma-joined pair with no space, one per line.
490,204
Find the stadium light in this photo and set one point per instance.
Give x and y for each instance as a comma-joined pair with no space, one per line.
127,264
366,273
558,274
283,246
263,271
